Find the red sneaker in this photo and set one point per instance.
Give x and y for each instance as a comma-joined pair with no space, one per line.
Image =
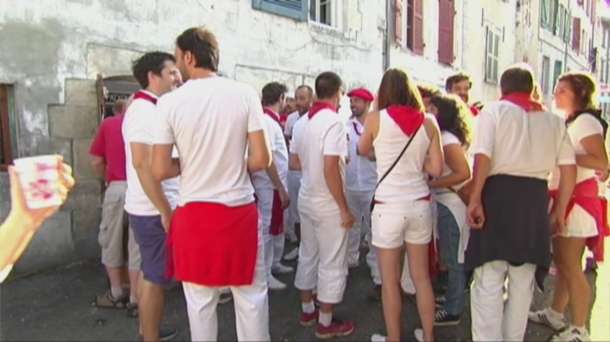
309,319
335,329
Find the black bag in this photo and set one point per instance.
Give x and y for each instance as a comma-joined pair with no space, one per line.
372,205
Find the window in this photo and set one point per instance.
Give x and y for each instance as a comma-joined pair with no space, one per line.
576,34
446,13
567,24
561,21
558,70
320,11
296,9
554,12
545,17
546,73
6,97
492,52
415,26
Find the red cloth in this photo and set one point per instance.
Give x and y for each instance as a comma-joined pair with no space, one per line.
432,262
318,106
473,110
361,93
524,100
109,144
275,116
283,119
213,244
277,215
407,118
586,196
144,96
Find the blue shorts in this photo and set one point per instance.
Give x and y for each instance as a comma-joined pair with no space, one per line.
150,236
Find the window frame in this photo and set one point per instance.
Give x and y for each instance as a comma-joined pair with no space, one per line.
335,15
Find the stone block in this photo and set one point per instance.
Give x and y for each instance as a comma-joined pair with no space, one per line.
80,93
86,194
49,145
50,247
86,222
73,121
82,159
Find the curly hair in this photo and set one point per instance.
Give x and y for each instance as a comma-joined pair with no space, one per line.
453,116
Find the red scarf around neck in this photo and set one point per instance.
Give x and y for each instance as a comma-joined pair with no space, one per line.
145,96
407,118
273,115
318,106
524,100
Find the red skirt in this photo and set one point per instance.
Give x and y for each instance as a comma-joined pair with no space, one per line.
213,244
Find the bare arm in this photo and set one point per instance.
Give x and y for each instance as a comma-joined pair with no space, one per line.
334,182
99,165
163,165
141,155
481,169
567,181
596,157
456,161
434,162
371,127
259,156
294,163
274,176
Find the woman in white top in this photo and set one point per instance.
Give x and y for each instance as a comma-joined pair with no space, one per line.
454,121
402,211
574,95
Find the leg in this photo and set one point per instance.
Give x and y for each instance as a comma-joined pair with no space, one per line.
520,294
133,267
449,234
371,256
278,248
486,301
353,253
201,302
568,255
406,282
418,267
252,306
306,278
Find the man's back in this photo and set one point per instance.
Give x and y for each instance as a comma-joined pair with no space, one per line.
109,144
210,119
260,179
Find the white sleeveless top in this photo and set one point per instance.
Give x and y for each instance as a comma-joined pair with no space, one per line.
407,181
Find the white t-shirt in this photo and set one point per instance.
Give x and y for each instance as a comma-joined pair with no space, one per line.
291,120
139,127
584,126
520,143
312,139
208,120
448,138
261,179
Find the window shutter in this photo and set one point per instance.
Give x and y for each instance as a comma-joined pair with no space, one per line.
567,23
418,27
576,34
398,21
593,12
297,9
555,16
544,13
446,15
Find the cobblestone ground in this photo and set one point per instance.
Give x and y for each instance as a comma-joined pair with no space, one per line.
57,306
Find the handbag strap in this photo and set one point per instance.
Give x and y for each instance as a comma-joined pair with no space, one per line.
399,156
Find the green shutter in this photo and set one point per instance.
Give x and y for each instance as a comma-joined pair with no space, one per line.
296,9
544,13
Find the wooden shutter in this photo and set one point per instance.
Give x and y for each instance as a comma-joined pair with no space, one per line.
418,27
544,13
446,16
296,9
593,12
398,19
576,34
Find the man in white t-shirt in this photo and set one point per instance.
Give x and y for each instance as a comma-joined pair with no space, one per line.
217,124
270,186
149,203
319,150
303,99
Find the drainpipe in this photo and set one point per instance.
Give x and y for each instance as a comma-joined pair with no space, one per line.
387,43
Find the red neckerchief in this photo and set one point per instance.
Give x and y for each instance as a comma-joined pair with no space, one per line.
356,128
273,115
525,101
407,118
474,110
145,96
318,106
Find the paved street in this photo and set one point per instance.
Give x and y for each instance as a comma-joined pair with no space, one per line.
56,306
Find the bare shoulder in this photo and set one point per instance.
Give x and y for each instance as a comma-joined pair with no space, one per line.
431,125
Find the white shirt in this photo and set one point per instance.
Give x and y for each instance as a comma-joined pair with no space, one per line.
139,127
261,179
584,126
520,143
312,139
209,120
291,120
360,172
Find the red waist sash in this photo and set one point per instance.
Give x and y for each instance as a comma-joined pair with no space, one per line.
586,196
213,244
277,215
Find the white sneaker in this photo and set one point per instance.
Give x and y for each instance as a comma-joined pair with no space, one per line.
378,338
352,265
282,269
572,334
291,237
275,285
544,318
419,335
292,255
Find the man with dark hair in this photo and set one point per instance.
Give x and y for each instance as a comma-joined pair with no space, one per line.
288,108
509,208
303,100
218,125
459,84
319,149
270,186
149,203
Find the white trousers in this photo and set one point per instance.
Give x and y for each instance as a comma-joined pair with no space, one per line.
359,203
251,307
322,255
273,245
492,319
294,184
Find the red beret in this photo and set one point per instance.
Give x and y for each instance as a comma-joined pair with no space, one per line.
361,93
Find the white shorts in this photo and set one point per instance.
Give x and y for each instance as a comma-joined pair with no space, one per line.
394,224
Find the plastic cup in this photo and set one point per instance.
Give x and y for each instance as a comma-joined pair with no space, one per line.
39,180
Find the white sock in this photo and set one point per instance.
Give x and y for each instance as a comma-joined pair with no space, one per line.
325,318
116,292
552,314
133,300
308,307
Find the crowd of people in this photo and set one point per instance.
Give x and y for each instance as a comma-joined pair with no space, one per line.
213,179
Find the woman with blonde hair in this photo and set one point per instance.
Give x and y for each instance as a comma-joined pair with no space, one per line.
406,142
585,222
